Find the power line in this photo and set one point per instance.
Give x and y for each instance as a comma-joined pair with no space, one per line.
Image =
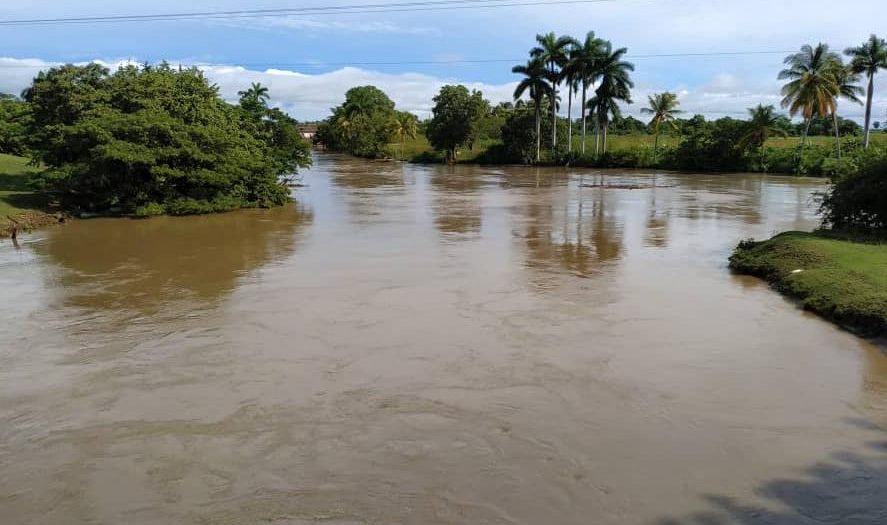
428,5
315,64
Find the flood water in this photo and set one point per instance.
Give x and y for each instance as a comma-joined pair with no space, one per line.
433,345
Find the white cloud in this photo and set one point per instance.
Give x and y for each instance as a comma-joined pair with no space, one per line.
308,96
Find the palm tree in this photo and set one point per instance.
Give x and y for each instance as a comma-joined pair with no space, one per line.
584,61
762,124
405,126
571,76
664,108
868,59
813,88
615,86
535,84
849,89
553,52
256,96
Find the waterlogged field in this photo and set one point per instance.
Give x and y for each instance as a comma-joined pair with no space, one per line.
435,345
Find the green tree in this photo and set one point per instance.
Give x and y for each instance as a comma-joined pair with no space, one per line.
406,126
361,126
664,109
848,88
255,98
537,88
585,61
456,113
813,85
615,87
868,59
15,116
763,123
148,140
553,51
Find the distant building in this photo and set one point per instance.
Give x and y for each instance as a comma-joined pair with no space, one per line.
308,131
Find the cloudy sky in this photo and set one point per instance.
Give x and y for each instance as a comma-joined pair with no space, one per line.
310,61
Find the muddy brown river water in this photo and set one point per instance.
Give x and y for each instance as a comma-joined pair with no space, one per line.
432,345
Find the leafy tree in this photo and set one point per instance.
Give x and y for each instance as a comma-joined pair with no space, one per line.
15,115
456,113
535,85
361,126
714,145
868,59
858,201
813,86
405,127
615,87
553,51
148,140
628,126
664,109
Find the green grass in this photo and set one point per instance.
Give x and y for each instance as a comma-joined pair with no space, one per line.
16,196
840,279
419,145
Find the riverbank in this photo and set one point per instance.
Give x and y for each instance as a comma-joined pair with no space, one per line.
21,208
841,280
710,153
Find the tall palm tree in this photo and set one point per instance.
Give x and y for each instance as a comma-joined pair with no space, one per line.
571,76
405,126
553,51
615,86
584,62
848,88
868,59
664,108
534,83
813,85
762,124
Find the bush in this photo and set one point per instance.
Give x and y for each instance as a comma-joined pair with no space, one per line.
150,210
143,139
857,201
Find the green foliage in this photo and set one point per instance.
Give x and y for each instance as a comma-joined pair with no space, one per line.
15,116
363,126
456,114
857,200
839,279
155,136
713,146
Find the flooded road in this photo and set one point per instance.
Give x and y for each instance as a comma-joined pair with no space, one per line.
433,345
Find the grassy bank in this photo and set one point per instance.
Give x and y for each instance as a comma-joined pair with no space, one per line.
842,280
18,204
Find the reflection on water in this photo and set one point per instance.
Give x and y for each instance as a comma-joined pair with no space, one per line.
430,345
142,264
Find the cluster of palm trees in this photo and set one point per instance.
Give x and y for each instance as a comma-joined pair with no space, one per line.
819,79
591,65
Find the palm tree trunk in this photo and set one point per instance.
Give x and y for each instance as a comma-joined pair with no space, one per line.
584,89
606,126
837,133
597,136
538,131
553,121
570,116
656,144
868,109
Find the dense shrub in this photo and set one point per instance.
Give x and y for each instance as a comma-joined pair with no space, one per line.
143,139
857,200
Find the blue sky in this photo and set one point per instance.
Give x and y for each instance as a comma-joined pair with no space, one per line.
310,61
